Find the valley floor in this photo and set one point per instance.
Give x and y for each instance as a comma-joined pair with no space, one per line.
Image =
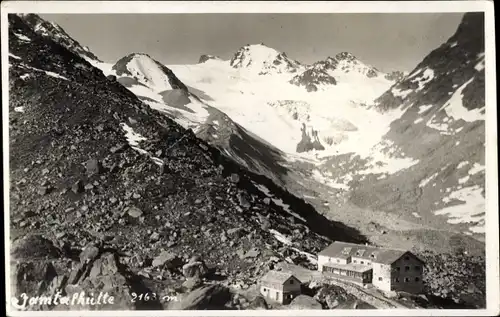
381,227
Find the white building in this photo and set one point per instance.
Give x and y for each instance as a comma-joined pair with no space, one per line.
386,269
279,286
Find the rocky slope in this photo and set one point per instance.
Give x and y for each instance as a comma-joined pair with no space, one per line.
395,76
56,33
108,194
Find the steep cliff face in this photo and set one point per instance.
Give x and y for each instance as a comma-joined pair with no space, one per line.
443,130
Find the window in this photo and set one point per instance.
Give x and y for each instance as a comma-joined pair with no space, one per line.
398,268
417,279
407,279
355,261
291,281
407,268
417,268
360,252
372,255
407,258
346,250
380,278
338,261
396,280
362,262
265,289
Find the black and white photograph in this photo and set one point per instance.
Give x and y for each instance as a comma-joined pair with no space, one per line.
337,159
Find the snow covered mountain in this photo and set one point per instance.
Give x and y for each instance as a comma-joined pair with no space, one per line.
263,60
430,163
158,86
344,67
318,131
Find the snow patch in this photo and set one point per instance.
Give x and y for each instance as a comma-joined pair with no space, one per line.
462,164
19,109
55,75
383,160
22,37
329,182
280,237
425,181
439,126
401,93
416,215
472,209
476,168
133,138
426,77
480,65
418,120
463,180
454,106
424,108
14,56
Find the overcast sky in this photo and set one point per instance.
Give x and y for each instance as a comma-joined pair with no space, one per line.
388,41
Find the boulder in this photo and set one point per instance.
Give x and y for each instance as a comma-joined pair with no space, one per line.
93,167
192,283
259,303
134,212
167,259
89,253
196,269
77,187
235,178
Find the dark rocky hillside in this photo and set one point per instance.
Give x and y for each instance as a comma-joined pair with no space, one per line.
109,195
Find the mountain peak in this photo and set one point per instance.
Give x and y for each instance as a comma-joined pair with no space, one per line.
262,59
345,56
206,57
148,71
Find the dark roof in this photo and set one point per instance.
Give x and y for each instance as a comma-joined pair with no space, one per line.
380,255
279,277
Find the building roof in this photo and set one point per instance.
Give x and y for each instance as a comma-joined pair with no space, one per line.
277,277
372,253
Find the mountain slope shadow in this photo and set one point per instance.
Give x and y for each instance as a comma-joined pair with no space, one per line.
318,223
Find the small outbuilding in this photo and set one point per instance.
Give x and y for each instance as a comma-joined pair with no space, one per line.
280,286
